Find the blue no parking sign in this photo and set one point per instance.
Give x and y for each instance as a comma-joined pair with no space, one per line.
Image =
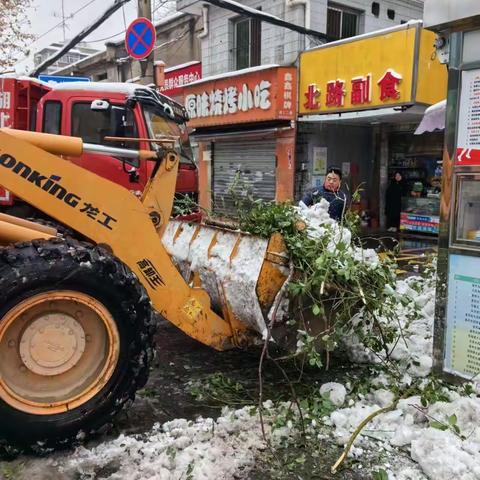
140,38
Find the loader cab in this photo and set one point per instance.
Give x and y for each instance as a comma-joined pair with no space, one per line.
123,116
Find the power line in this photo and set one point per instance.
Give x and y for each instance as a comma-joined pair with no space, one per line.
71,16
80,36
265,17
160,5
107,38
176,39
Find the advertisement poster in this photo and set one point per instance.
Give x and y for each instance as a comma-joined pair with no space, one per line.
319,160
468,142
462,338
419,223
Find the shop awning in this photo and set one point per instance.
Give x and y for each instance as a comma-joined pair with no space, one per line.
433,118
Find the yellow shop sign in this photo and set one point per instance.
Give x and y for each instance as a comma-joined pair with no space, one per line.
391,68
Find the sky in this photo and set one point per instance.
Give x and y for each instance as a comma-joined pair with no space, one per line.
46,21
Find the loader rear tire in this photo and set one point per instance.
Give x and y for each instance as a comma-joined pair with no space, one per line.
76,332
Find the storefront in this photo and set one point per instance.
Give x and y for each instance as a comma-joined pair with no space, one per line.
361,100
244,125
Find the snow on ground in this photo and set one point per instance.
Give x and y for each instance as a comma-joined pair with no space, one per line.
443,438
203,449
227,447
414,350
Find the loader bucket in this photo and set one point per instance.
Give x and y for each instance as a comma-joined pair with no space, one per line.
241,273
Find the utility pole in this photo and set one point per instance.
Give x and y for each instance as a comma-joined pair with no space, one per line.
63,20
146,65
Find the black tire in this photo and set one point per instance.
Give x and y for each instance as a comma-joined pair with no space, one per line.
30,268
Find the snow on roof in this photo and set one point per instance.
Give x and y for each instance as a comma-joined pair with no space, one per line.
25,78
127,88
235,72
433,118
83,59
183,65
383,31
169,19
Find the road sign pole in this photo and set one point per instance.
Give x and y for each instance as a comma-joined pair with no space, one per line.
146,64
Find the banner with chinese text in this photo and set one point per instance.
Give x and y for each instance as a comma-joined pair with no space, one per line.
384,70
178,77
260,95
468,143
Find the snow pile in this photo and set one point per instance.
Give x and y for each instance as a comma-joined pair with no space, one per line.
335,392
321,225
441,454
204,449
413,351
442,438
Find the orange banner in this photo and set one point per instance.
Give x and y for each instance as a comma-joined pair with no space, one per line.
256,95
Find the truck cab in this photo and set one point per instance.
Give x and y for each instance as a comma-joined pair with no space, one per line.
119,115
123,116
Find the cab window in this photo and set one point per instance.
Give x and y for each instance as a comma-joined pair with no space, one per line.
93,126
160,127
52,117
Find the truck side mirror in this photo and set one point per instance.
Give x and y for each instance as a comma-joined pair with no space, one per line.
100,105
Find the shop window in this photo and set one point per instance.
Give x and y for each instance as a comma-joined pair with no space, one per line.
52,118
247,43
342,22
467,214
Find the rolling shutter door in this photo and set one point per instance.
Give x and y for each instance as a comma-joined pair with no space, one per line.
255,164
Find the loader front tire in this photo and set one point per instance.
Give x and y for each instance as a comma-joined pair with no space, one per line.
76,333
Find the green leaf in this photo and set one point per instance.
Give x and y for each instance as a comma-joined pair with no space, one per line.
316,309
380,475
438,425
452,420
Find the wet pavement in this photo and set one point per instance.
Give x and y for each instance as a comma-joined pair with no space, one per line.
179,361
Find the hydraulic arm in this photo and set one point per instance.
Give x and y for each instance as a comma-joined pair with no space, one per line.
110,215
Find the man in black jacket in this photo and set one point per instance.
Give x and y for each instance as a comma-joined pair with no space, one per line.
330,191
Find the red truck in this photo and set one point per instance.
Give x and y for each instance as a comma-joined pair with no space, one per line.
128,114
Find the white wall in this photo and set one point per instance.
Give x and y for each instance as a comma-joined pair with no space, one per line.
283,46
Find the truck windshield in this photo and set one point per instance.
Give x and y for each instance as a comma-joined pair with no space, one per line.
159,127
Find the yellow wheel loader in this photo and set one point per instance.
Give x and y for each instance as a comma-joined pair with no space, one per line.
77,316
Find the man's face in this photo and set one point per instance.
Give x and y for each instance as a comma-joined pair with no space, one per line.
332,182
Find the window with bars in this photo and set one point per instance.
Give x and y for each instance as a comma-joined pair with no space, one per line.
342,22
247,43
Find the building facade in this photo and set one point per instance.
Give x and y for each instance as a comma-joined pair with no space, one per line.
80,52
244,126
361,101
232,42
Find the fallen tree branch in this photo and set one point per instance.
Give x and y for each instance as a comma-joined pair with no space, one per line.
366,421
357,432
